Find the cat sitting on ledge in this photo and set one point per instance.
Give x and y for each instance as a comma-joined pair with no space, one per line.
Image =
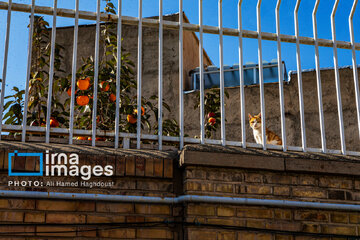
271,137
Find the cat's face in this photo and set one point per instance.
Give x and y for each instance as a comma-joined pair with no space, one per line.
255,121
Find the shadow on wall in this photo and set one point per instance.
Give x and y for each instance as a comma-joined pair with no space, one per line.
292,113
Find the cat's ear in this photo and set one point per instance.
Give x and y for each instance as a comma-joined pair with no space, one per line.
259,115
250,117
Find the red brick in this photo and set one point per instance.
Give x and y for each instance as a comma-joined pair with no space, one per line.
56,231
200,210
120,166
199,186
282,214
311,216
3,158
37,217
339,217
26,230
257,236
149,167
64,218
130,166
51,205
152,209
256,189
139,166
227,236
11,216
21,204
118,233
254,213
154,233
224,188
158,167
283,191
253,177
168,168
115,207
225,212
281,179
345,230
308,193
201,234
333,182
105,219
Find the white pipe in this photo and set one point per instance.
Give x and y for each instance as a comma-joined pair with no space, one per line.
179,199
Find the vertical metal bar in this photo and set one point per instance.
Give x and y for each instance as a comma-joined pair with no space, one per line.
96,73
51,73
355,71
299,75
160,103
181,75
28,71
261,75
222,82
201,60
6,51
318,78
118,75
73,76
337,79
139,77
241,74
281,75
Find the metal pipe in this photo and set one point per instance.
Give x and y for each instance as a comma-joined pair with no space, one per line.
118,75
299,77
355,70
160,87
181,74
281,75
201,70
96,73
179,200
261,75
318,78
337,80
153,23
51,74
73,74
222,78
139,78
28,71
6,51
242,80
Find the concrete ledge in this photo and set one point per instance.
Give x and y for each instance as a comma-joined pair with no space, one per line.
84,149
236,157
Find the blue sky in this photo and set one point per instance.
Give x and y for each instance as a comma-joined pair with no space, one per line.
19,31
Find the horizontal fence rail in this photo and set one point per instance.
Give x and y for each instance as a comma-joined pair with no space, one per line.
160,24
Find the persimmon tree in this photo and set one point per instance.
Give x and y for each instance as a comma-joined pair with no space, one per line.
106,102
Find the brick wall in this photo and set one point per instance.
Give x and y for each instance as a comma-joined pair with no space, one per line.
203,170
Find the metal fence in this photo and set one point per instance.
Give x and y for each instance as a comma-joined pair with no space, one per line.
180,26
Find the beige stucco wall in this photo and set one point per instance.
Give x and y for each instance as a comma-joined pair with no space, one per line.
292,114
150,49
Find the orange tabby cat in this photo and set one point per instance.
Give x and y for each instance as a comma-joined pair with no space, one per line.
271,137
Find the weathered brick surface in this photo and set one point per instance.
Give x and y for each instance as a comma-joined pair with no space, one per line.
138,174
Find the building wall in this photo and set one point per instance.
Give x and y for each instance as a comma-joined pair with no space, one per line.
198,170
150,48
292,113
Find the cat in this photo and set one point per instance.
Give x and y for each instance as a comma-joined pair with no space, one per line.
271,137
